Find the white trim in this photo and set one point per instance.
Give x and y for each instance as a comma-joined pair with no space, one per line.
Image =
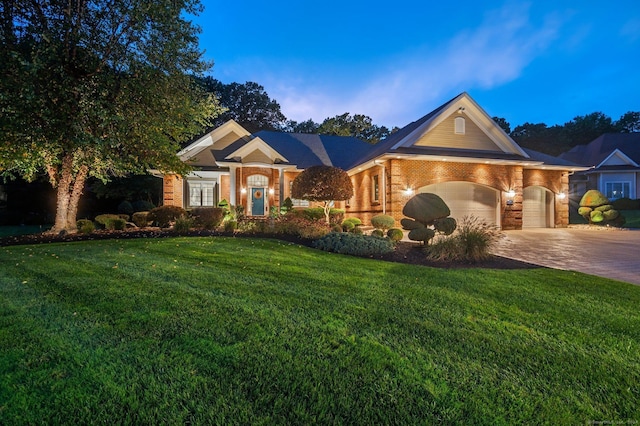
466,105
257,144
619,154
210,138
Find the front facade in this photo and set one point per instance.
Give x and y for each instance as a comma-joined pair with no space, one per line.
615,166
456,151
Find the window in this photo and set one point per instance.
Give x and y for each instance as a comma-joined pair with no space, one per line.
296,202
375,189
258,181
459,126
202,193
615,190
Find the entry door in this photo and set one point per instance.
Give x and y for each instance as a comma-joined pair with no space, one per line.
257,201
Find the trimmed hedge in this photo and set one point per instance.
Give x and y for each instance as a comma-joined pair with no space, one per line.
163,216
85,226
383,222
208,217
141,219
353,244
111,222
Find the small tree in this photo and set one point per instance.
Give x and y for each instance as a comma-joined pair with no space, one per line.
429,214
323,183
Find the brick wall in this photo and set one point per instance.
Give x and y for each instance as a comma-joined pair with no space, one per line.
274,183
172,189
415,174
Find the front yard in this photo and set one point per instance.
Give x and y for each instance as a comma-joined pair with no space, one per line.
245,331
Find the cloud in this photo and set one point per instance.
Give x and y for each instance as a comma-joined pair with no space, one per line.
492,54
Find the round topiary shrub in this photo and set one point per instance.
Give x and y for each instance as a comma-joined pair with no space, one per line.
445,226
142,206
208,217
395,234
106,221
596,208
163,216
423,234
85,226
125,207
141,219
377,233
383,222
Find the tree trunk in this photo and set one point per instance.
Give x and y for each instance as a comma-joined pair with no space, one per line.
327,211
68,196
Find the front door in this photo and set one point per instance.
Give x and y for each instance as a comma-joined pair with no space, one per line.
257,201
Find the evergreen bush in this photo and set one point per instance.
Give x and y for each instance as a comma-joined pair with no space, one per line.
183,223
377,233
85,226
140,219
383,222
208,217
142,206
163,216
125,207
395,234
106,221
355,245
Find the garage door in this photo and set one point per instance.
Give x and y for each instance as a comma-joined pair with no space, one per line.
466,199
536,207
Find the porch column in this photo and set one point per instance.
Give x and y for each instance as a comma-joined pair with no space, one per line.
232,186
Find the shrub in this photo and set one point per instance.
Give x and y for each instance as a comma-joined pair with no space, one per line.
428,213
208,217
356,245
317,213
125,207
424,234
124,217
472,242
163,216
445,226
377,233
287,206
597,209
85,226
106,221
141,219
142,206
231,225
395,234
336,228
301,227
626,203
183,223
350,224
383,221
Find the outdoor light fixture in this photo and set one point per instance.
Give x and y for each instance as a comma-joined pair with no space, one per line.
243,190
408,191
510,194
562,196
271,191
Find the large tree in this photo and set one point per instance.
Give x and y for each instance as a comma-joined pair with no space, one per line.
357,125
248,104
323,183
97,88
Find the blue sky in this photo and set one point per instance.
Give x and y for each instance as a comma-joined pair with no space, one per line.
542,61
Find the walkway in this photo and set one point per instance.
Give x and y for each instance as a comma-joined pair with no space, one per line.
606,253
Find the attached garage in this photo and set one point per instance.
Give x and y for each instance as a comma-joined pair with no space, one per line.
537,207
468,199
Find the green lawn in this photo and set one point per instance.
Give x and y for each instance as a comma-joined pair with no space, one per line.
241,331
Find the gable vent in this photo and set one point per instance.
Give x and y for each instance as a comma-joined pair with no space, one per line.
459,126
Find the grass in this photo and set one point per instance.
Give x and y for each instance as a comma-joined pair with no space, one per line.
241,331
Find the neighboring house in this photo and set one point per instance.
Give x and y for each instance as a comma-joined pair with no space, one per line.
456,151
614,160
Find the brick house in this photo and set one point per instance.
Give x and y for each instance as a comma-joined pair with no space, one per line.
456,151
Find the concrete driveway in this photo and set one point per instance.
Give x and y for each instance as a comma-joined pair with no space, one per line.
606,253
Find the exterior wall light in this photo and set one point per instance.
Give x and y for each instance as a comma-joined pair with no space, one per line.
408,192
561,196
271,191
511,193
243,191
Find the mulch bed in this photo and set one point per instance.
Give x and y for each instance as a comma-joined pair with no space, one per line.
405,252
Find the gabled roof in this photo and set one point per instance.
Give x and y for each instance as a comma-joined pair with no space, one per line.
610,150
430,137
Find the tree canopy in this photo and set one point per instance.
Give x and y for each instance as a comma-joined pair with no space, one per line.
97,88
248,104
323,183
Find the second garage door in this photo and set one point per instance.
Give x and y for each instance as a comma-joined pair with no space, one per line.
466,199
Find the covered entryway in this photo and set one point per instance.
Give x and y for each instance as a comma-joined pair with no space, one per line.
258,186
468,199
537,207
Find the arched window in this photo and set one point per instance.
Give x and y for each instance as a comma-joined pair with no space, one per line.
257,181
